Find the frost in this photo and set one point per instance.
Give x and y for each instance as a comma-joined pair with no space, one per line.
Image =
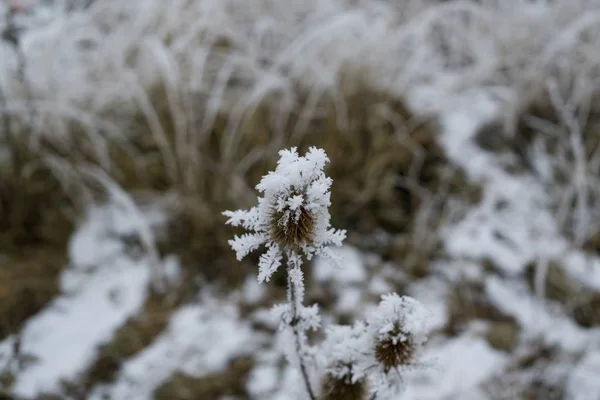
292,215
350,352
307,318
344,350
399,325
412,315
245,244
268,263
291,218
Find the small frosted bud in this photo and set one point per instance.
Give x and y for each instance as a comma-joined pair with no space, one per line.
400,326
291,226
342,388
395,349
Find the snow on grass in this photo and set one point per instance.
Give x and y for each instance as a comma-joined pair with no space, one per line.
584,268
432,292
513,224
201,338
459,365
64,336
535,316
583,383
100,292
349,300
511,227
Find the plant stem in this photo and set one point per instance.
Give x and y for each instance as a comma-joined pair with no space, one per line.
295,298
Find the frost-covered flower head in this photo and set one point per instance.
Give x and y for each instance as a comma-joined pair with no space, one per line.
343,354
370,356
398,328
292,215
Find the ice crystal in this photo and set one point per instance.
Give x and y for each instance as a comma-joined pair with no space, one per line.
292,215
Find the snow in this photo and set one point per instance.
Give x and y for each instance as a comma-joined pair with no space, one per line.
535,316
201,338
511,227
459,365
522,229
63,337
263,380
349,300
351,269
432,294
583,383
252,291
584,268
348,278
379,286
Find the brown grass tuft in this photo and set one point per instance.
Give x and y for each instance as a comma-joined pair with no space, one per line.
229,382
586,311
32,209
384,162
27,283
554,135
467,302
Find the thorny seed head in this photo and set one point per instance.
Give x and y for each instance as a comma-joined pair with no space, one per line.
342,388
396,349
292,214
291,229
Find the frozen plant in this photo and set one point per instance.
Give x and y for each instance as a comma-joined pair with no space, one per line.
369,358
292,220
292,217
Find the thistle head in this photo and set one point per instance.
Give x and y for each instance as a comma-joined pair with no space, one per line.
343,388
400,327
291,223
343,353
395,349
292,214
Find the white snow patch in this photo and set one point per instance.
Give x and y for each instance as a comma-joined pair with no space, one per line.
512,225
96,301
583,382
379,286
252,291
63,337
585,268
535,316
171,269
352,267
432,293
460,365
349,300
263,380
200,339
